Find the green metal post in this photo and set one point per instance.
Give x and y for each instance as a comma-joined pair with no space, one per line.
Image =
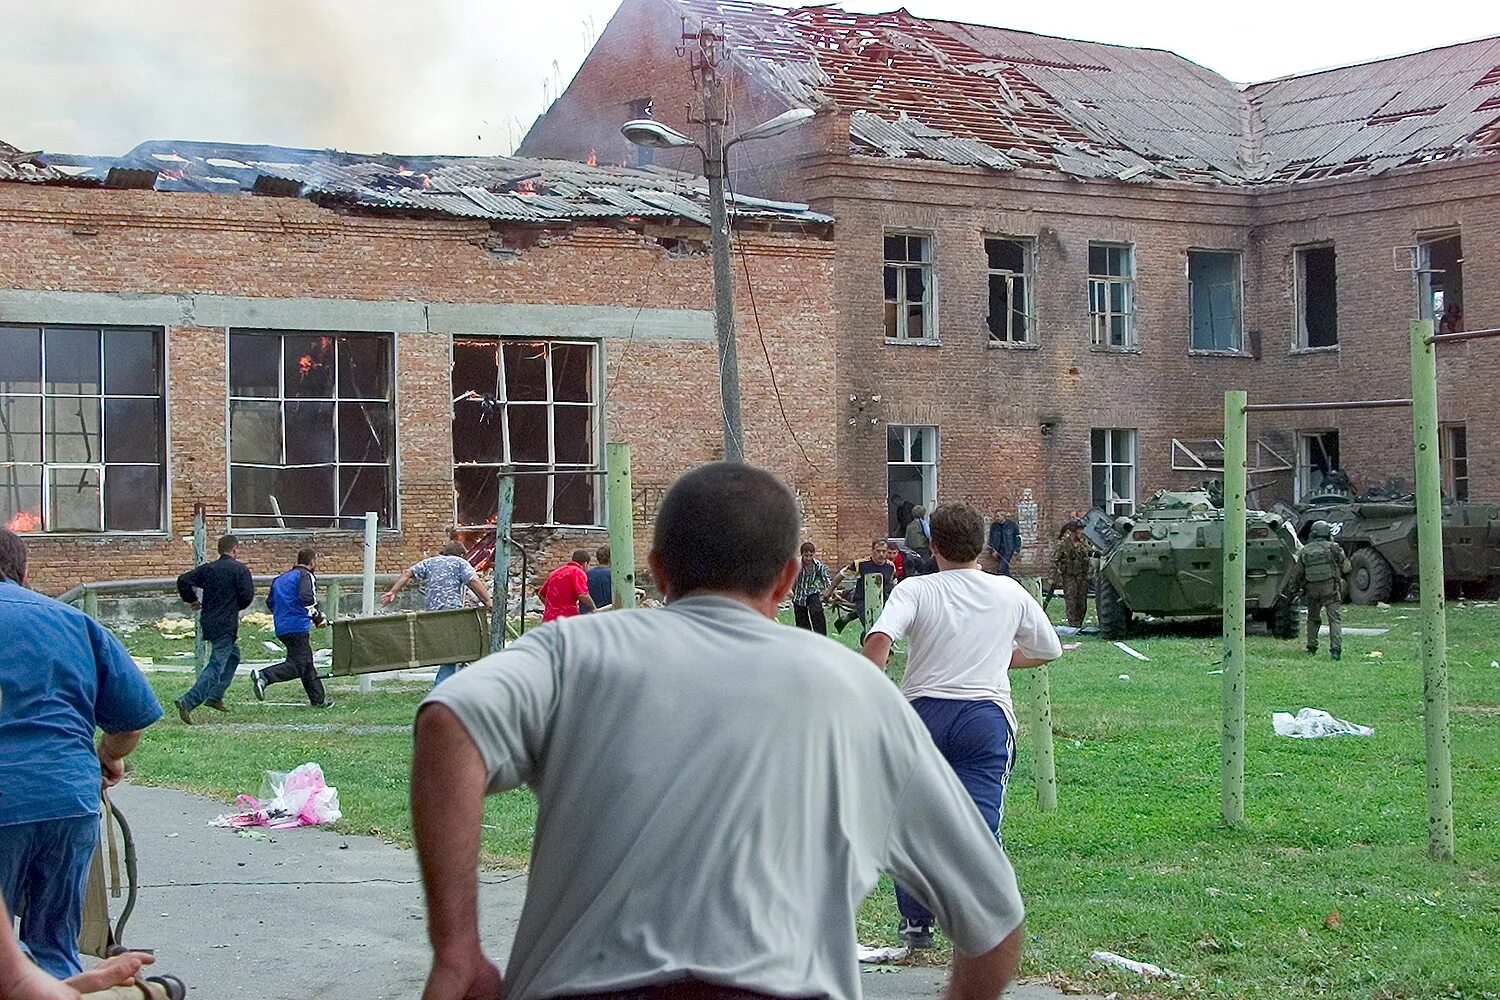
500,589
874,585
332,601
200,556
621,515
91,603
1232,722
1040,721
1434,641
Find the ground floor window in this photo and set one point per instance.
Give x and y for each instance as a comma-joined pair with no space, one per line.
911,472
531,406
312,429
1453,451
82,439
1317,457
1112,457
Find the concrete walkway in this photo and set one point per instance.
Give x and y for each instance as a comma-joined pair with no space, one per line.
310,913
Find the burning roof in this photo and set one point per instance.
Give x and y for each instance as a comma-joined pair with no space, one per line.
1005,100
509,188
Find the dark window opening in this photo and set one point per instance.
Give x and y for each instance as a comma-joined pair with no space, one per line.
1009,264
1453,453
1214,300
1317,458
1441,260
1317,297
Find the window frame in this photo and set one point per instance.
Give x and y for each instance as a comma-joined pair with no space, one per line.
1425,291
595,470
1112,462
1238,256
1302,486
1300,343
392,465
1026,279
102,398
1455,485
928,267
1099,286
932,436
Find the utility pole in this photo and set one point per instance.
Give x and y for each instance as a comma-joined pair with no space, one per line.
705,66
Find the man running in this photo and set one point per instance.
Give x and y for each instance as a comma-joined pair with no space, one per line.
293,602
967,629
444,578
566,590
220,590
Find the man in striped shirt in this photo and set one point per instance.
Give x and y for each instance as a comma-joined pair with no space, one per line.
807,592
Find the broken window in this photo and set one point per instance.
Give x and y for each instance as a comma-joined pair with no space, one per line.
1112,462
1453,455
82,446
1010,269
529,406
1317,457
911,471
1112,294
1317,297
311,430
908,287
1214,314
1441,279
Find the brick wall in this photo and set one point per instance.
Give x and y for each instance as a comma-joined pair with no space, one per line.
661,395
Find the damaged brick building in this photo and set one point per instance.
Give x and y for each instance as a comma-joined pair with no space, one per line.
1053,256
294,338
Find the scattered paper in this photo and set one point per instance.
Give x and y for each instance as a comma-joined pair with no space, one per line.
1374,654
1066,630
1495,664
1356,631
1382,606
1132,652
271,646
1068,647
1313,723
1129,965
868,956
1124,677
1212,673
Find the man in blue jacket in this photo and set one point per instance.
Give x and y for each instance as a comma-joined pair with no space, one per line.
220,590
293,601
63,674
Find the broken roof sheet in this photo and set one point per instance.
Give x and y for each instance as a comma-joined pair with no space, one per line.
508,188
1004,99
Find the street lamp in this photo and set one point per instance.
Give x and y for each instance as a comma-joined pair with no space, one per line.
654,135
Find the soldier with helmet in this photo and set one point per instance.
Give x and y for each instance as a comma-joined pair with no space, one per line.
1319,570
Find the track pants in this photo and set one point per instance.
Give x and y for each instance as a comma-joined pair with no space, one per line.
298,665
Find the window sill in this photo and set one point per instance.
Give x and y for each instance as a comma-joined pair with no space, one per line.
1013,345
1201,353
1102,349
909,342
243,532
1332,349
154,534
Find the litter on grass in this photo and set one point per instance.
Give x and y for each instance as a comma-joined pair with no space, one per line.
175,628
258,619
1122,647
1356,631
1312,723
300,798
869,956
1124,677
1130,965
1068,647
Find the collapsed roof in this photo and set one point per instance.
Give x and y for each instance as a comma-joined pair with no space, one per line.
506,188
1002,99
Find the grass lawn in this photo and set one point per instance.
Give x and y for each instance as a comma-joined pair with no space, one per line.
1327,894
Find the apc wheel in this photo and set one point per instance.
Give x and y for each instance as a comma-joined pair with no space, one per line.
1283,623
1110,612
1370,581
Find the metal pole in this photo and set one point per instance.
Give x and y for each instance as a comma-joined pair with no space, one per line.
367,608
713,170
621,517
1434,640
874,585
333,600
505,505
200,556
1040,721
1232,721
91,602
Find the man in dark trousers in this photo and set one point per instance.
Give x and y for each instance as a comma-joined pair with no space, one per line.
1319,570
220,590
601,580
1073,561
293,601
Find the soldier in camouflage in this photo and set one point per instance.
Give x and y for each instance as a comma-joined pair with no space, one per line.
1073,564
1319,571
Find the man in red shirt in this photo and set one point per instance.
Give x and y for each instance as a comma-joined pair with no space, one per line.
567,588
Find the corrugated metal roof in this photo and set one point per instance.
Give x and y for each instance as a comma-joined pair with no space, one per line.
509,188
989,96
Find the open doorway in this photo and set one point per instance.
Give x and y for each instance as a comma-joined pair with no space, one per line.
1441,260
911,473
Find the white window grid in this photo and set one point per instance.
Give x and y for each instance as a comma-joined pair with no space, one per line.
1453,455
256,519
1112,297
551,468
925,435
1018,290
53,472
1236,291
902,306
1309,477
1112,466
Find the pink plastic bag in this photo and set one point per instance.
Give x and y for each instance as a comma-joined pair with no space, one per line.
300,798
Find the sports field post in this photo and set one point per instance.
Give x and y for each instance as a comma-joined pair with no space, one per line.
1232,719
505,505
1039,719
619,509
200,556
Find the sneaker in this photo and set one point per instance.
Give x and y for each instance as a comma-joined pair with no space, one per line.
1335,653
258,685
217,706
184,713
1312,650
324,704
914,935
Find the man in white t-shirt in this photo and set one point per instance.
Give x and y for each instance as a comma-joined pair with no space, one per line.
715,792
966,630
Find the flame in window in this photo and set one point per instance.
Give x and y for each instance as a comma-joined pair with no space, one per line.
24,520
593,158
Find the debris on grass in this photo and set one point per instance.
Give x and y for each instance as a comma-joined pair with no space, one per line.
1122,647
1124,677
1068,647
870,956
1356,630
1145,969
262,620
1334,921
175,628
1374,654
1313,723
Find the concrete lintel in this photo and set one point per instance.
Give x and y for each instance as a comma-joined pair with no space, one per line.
93,308
526,320
352,315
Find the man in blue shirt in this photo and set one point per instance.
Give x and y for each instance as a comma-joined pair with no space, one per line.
220,590
601,582
293,602
62,675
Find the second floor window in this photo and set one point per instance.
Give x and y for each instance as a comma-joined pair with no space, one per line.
908,287
1009,262
1112,295
1214,313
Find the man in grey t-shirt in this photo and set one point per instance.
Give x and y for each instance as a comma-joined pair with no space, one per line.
716,792
445,577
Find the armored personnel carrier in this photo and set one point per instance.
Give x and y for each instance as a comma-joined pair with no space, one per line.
1166,560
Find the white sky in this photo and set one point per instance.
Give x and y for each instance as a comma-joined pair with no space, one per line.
469,76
